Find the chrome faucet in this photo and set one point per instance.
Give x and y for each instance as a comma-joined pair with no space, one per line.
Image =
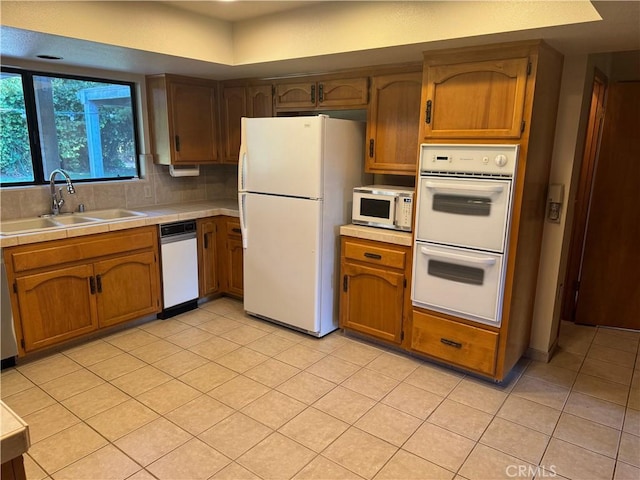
56,197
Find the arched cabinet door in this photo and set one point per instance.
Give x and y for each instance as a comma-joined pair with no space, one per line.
393,123
56,305
483,99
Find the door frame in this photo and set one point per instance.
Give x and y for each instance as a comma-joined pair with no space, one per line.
583,196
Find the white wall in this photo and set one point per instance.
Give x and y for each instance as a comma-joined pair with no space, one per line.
567,151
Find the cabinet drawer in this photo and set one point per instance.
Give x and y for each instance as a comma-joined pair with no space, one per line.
233,228
454,342
56,252
376,255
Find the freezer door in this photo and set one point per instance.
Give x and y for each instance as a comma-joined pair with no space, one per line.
282,259
282,156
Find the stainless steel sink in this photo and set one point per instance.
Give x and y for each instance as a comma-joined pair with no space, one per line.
31,225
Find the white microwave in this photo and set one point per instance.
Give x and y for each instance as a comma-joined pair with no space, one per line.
383,206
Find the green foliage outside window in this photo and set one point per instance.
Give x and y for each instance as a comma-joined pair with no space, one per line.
84,126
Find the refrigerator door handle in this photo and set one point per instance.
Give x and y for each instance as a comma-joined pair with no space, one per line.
242,169
243,227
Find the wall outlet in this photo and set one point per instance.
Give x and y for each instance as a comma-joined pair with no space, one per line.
147,191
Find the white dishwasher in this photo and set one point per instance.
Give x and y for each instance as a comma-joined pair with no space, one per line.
179,254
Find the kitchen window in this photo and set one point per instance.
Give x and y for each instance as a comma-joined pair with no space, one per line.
86,126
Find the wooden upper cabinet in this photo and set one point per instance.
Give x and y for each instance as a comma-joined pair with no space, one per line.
474,99
238,102
393,123
331,93
260,101
183,119
234,107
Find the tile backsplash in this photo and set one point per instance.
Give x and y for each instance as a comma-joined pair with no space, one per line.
157,188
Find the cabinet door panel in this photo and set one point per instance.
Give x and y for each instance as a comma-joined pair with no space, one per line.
234,254
343,92
234,107
57,305
372,301
193,113
475,99
127,288
207,257
260,101
393,123
296,95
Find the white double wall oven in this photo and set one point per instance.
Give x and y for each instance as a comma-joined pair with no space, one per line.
464,206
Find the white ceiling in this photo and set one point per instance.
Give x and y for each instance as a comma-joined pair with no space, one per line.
618,31
233,11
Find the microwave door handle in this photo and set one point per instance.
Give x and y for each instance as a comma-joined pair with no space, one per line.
395,211
443,186
487,261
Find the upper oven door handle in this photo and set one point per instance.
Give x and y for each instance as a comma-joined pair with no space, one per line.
477,260
467,187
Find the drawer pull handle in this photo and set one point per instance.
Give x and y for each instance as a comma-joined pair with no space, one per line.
451,343
236,230
375,256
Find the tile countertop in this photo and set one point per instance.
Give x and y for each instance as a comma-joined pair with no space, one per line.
377,234
155,215
14,434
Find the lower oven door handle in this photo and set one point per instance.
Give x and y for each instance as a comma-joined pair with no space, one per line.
458,256
456,187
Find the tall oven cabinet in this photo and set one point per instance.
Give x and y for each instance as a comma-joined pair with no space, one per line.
497,94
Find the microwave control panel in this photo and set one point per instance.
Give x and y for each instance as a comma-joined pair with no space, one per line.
405,211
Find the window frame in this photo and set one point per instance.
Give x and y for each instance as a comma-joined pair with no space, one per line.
33,127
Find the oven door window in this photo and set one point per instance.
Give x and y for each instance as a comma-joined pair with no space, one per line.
456,273
464,212
462,205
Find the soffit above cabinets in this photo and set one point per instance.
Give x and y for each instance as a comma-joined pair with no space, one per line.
188,38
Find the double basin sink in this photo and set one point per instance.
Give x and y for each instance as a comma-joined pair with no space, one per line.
64,220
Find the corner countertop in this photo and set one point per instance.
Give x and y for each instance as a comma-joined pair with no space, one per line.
155,215
377,234
14,434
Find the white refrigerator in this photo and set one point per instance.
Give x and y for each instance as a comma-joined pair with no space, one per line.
295,183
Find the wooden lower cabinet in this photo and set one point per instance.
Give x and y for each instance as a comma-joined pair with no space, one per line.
127,287
56,305
208,276
67,288
233,258
453,342
374,297
220,256
14,469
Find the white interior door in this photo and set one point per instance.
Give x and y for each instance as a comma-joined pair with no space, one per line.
282,259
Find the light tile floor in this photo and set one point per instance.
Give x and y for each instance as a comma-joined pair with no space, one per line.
216,394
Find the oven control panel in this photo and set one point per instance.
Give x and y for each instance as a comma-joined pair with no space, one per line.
457,159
